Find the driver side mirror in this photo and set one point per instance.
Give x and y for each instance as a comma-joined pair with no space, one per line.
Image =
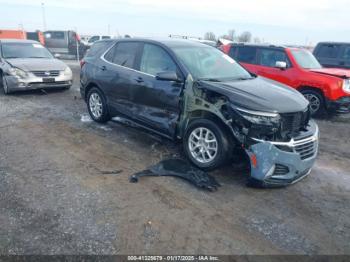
168,76
281,65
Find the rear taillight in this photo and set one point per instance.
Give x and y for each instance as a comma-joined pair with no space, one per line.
82,63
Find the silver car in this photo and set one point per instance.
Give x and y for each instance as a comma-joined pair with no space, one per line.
26,64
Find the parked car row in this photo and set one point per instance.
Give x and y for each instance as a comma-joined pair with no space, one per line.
252,100
325,88
185,90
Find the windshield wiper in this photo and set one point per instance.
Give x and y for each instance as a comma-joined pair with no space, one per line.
209,79
244,78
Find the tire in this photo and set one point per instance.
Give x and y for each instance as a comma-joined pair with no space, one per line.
206,155
3,84
97,106
317,104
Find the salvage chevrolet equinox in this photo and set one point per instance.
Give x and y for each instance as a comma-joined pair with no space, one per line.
193,92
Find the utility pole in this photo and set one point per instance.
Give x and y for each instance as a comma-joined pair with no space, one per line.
44,16
77,43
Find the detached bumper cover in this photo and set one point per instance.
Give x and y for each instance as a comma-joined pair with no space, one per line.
284,163
340,106
18,84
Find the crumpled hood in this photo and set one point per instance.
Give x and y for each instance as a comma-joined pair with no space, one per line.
338,72
260,94
37,64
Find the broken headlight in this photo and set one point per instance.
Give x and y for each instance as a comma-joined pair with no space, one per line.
14,71
259,118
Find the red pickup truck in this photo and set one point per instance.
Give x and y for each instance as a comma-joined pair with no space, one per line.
325,88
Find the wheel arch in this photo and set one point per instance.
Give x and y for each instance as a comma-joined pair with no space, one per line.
317,89
205,114
89,87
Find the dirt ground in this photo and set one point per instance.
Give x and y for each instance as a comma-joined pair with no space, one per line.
64,190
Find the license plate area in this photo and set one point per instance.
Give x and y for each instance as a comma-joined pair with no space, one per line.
48,79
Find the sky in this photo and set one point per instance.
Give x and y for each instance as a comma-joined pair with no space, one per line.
298,22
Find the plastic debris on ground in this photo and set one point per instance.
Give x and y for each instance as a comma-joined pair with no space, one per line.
182,169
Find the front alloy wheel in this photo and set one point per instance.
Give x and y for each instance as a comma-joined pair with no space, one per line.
203,145
316,101
206,144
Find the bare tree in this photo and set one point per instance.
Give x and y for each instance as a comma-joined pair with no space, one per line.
210,36
245,37
231,34
256,40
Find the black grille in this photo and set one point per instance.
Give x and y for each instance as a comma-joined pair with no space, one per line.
46,73
306,150
281,170
292,123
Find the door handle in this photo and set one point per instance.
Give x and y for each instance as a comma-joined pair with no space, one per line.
139,79
103,68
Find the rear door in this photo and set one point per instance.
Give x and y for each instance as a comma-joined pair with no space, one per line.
266,65
328,54
116,75
156,102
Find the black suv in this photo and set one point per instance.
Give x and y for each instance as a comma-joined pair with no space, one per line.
192,92
331,54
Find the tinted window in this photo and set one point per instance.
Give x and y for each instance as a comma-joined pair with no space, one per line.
346,53
247,54
269,57
233,52
328,51
97,48
123,54
110,54
155,60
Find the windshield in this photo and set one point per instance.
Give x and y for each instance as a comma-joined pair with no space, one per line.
205,62
24,50
305,59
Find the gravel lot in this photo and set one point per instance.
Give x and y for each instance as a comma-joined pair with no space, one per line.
64,190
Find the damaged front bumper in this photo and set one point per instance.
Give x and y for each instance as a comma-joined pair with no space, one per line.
15,83
284,163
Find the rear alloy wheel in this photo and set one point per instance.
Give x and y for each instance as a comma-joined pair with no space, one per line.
316,101
97,106
205,144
